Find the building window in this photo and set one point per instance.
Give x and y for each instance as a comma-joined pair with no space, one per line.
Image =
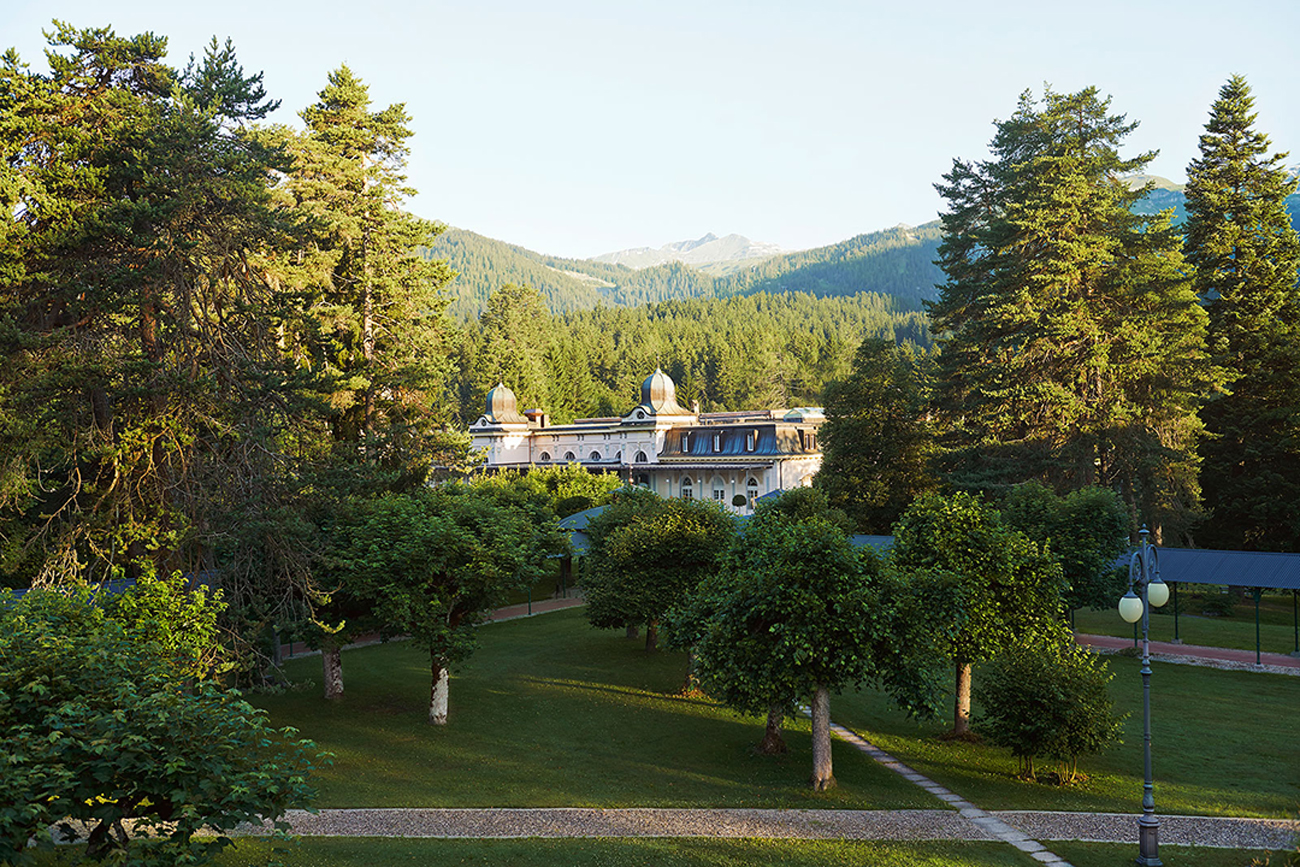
545,456
618,456
720,495
751,440
568,456
686,441
595,456
751,491
687,493
717,444
641,458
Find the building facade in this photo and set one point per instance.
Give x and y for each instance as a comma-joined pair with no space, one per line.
674,451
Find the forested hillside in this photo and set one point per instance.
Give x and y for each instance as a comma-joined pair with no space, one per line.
897,262
753,351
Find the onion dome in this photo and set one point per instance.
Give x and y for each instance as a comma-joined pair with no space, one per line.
659,395
501,407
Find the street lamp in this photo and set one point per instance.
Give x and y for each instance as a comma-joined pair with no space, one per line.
1145,591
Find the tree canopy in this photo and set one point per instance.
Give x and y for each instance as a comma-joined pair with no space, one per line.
1245,251
1072,343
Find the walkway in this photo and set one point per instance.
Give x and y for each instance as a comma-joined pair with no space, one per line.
1191,654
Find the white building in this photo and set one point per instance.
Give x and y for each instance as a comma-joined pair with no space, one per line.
674,451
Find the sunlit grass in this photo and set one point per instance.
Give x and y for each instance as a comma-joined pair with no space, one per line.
1276,631
550,712
1224,743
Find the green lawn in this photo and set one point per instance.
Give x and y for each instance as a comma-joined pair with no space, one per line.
1224,743
1122,855
550,712
686,852
1276,631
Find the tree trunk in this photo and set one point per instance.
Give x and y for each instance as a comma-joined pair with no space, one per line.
691,685
633,632
652,636
438,694
822,776
331,657
773,744
961,706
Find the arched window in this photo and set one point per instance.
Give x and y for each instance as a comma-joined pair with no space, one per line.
751,491
568,456
595,456
544,457
687,491
641,458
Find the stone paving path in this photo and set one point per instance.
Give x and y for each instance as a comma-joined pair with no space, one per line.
1192,654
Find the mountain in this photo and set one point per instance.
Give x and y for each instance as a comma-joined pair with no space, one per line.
708,250
897,263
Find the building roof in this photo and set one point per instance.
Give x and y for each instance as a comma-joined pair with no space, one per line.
501,407
1229,568
659,395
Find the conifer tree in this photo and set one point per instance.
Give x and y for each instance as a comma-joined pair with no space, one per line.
1246,253
1072,344
372,330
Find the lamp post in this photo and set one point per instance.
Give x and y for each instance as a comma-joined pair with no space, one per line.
1145,590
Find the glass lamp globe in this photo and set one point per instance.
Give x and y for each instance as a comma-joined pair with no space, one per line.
1157,593
1130,607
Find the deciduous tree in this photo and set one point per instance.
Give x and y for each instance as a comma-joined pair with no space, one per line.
1008,590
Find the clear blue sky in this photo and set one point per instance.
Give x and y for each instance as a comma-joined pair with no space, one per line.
576,128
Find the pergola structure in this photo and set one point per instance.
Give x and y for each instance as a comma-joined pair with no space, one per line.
1256,571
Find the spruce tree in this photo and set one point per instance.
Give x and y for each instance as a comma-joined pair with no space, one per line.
1246,253
1072,345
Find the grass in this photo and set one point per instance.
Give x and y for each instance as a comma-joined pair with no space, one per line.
681,852
550,712
1224,743
1122,855
1277,630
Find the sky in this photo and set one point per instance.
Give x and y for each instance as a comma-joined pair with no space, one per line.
577,128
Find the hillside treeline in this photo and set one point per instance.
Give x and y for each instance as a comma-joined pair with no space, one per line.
746,352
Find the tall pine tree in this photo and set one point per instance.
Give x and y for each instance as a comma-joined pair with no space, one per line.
1246,253
1072,344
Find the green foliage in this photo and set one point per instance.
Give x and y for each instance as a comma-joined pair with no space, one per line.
878,439
1246,252
1001,589
648,554
98,730
1073,346
793,608
1085,531
564,488
1048,700
433,563
804,504
180,622
1010,588
132,331
735,353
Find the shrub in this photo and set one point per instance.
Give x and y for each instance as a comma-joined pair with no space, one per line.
100,728
1048,701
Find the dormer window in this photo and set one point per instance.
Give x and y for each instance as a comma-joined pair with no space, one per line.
717,442
686,441
751,440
